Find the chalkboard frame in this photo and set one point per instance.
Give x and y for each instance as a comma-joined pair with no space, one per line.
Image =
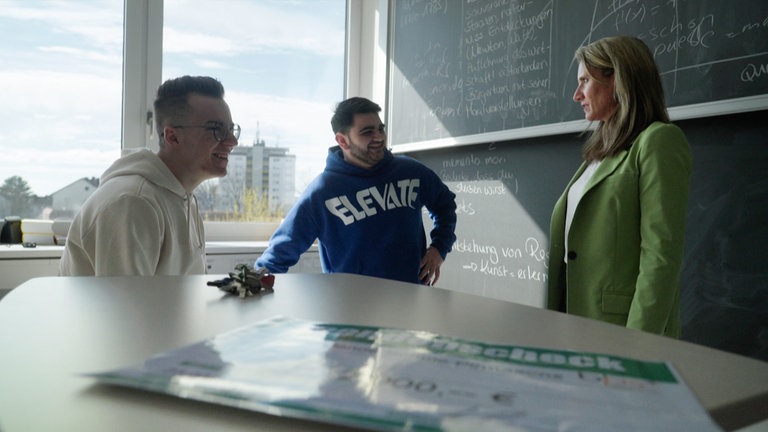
707,109
682,112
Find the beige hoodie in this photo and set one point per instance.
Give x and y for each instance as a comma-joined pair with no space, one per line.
140,221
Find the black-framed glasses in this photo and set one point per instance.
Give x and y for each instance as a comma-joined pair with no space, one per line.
220,131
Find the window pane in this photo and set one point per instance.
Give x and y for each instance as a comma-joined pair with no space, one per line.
60,119
282,67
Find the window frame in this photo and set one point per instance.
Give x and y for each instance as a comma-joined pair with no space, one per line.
142,71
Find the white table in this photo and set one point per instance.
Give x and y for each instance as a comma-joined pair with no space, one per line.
53,328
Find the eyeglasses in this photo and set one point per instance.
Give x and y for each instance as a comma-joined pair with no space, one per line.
220,131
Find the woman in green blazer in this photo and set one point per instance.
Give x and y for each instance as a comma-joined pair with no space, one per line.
616,234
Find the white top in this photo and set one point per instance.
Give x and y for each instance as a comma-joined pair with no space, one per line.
574,196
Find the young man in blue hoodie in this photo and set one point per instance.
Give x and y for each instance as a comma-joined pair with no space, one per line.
365,208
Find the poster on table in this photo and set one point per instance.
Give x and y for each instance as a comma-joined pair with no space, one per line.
394,379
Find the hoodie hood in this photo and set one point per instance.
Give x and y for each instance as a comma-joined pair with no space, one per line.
148,165
335,163
142,215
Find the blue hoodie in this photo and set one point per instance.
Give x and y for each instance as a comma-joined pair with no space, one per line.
367,221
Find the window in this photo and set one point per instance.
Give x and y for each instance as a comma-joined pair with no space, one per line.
281,63
282,67
61,114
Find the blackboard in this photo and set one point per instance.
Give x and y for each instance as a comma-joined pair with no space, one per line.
505,193
504,196
477,71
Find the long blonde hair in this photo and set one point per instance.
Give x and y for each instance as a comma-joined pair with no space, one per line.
637,89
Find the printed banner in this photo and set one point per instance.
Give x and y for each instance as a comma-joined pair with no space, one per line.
392,379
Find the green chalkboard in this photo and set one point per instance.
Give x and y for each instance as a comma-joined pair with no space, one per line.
471,71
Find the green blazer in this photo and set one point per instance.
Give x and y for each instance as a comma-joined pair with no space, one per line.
627,236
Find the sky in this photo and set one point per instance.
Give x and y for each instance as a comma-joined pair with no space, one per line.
280,61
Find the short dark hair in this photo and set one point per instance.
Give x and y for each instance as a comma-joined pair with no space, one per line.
344,115
171,103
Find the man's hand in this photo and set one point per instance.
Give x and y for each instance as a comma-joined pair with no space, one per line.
429,271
